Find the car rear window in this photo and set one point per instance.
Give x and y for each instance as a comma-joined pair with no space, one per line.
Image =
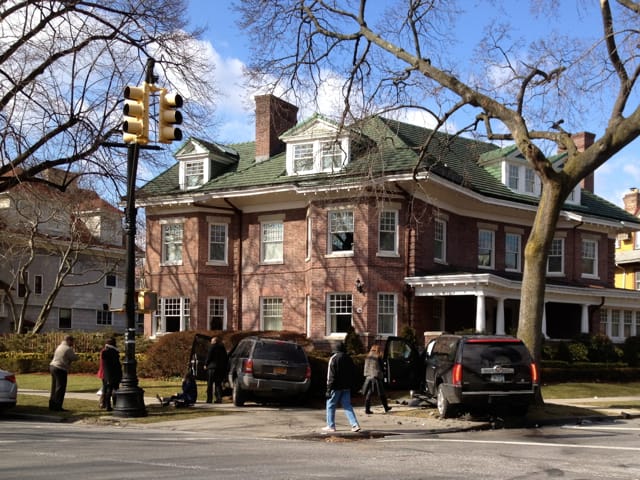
486,354
280,351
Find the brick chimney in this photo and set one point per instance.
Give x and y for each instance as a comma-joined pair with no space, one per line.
584,140
631,201
273,117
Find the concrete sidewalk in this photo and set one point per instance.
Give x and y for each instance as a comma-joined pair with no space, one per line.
406,417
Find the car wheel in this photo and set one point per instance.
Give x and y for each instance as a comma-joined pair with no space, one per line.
444,408
237,394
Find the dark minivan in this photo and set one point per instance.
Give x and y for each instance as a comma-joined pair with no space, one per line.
488,373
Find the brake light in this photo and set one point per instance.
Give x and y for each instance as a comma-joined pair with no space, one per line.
307,374
247,366
534,373
457,374
10,378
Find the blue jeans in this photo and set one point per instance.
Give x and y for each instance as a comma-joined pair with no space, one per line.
343,397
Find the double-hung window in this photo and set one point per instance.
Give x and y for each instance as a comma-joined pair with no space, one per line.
512,256
513,176
172,243
388,232
555,261
217,313
341,231
272,242
331,156
440,240
339,312
193,174
303,157
271,313
485,248
589,258
218,237
386,314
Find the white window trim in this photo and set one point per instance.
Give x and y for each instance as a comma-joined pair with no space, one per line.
317,144
519,263
593,274
396,239
561,272
163,223
345,253
276,261
224,312
183,176
492,263
225,261
329,331
395,315
262,301
443,222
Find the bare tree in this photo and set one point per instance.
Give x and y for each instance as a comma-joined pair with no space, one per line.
46,229
532,95
63,67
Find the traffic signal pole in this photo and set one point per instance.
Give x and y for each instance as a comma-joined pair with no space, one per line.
130,397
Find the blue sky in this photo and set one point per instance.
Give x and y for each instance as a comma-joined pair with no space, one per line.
234,110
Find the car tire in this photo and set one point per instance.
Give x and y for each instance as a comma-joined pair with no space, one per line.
237,394
443,405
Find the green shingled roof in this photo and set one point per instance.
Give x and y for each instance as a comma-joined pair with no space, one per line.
379,147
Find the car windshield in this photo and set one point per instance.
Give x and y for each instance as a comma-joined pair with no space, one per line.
279,351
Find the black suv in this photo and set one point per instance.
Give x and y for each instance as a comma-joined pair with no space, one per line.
265,369
472,372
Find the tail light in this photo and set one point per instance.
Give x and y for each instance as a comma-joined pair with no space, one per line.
307,374
457,374
247,366
534,373
10,378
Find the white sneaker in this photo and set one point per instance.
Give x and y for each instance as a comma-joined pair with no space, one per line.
355,428
328,429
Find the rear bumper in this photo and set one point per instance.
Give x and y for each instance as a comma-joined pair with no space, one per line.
455,395
273,388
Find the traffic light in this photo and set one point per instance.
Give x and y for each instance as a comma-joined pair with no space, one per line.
169,116
135,127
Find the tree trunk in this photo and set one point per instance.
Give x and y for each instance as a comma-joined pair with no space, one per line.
535,269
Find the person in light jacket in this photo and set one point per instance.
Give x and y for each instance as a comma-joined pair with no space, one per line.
373,380
59,369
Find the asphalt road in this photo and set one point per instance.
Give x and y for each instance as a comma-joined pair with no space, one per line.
38,450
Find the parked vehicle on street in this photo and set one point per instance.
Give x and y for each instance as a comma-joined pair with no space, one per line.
8,389
265,369
492,374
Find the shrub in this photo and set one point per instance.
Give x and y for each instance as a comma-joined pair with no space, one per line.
602,349
631,351
352,342
409,334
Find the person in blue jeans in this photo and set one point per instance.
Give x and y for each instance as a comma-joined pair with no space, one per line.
340,380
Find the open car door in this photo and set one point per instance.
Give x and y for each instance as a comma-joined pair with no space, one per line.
199,350
403,368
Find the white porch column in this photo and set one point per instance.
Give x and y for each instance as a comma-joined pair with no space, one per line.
481,322
544,320
584,319
500,317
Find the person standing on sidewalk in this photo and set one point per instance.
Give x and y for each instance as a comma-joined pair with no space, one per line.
216,365
59,369
373,380
340,380
111,372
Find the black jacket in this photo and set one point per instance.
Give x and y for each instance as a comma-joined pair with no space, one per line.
112,369
217,360
340,372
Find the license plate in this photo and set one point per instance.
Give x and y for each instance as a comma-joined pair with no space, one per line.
280,370
497,378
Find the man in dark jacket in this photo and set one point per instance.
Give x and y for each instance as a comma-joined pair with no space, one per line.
216,365
111,372
340,380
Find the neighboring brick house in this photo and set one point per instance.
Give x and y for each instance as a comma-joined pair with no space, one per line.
316,228
75,228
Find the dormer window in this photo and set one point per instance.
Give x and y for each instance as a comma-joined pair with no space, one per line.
317,156
316,146
193,173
